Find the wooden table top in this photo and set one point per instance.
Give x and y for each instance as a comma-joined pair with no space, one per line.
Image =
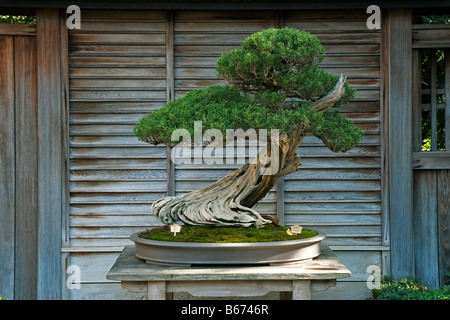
324,267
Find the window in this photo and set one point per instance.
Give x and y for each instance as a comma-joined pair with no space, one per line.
434,100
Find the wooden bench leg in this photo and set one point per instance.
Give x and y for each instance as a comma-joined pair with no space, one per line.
156,290
285,295
301,290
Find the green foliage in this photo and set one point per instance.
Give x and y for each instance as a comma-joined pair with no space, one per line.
431,19
440,99
440,81
282,60
271,67
209,234
338,133
224,107
17,19
408,289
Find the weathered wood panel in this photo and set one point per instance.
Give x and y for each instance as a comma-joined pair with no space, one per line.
399,64
50,153
431,216
18,162
443,211
18,29
7,166
26,173
118,71
426,228
431,36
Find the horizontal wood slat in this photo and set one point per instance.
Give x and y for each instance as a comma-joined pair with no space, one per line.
431,36
17,29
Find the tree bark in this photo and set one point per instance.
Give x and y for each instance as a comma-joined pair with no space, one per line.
229,201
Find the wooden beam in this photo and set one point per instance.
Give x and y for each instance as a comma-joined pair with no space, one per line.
399,61
431,160
170,93
18,29
417,100
431,36
433,101
384,128
227,5
64,54
50,154
280,200
426,231
7,167
26,179
443,211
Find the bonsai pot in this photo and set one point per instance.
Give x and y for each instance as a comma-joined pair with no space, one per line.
189,253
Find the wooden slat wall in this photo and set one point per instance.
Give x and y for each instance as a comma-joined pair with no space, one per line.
118,73
200,38
7,166
339,194
18,163
432,220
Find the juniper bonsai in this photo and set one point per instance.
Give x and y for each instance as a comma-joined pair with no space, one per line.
274,82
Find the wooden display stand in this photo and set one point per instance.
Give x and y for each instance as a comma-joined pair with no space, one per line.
293,281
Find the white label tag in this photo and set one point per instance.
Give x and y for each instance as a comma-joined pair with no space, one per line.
296,229
175,228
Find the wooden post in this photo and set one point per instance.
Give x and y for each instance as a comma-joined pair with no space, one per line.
280,200
399,81
50,152
170,94
156,290
26,175
301,290
426,228
443,213
7,167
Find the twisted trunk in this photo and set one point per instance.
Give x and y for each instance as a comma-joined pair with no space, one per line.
229,201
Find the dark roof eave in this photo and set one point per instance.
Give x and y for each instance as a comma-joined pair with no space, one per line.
222,4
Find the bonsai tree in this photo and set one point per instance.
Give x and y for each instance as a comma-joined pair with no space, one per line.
274,82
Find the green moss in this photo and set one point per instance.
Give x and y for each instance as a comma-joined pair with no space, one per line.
207,234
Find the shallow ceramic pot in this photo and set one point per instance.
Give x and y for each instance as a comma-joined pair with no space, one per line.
188,253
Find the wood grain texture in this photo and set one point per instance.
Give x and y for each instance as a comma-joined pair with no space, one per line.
18,29
443,210
120,70
49,110
26,180
7,166
400,143
426,227
431,36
